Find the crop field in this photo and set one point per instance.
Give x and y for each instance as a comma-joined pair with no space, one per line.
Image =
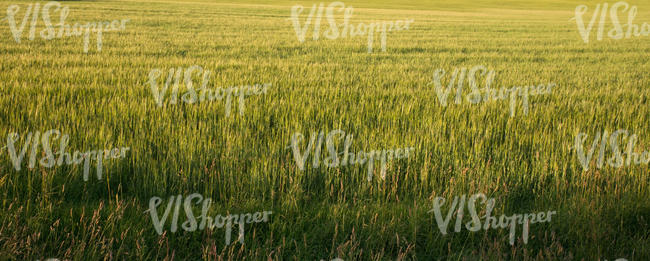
312,143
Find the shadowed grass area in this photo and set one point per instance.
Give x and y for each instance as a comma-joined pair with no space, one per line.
385,99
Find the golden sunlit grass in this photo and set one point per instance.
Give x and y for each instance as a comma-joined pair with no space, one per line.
385,99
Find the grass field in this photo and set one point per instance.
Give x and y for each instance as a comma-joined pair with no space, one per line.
102,99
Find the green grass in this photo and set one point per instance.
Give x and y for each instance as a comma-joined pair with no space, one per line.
103,100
